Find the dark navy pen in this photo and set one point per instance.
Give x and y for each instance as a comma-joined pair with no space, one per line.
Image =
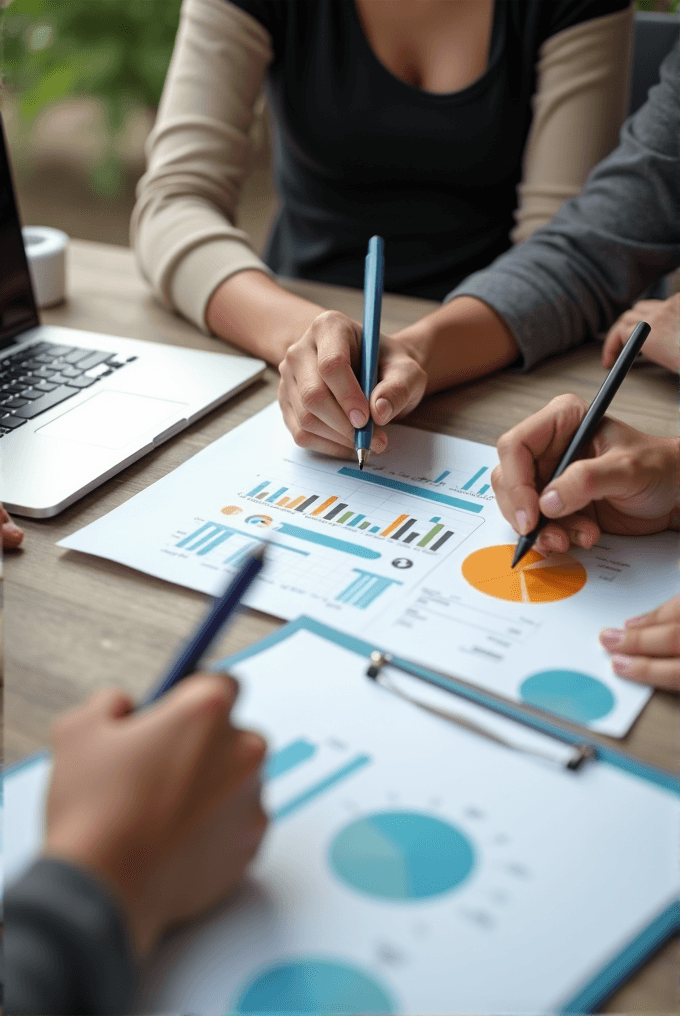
370,339
589,424
197,646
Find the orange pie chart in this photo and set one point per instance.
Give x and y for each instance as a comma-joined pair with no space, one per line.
536,579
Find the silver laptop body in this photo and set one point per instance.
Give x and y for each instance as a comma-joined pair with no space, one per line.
115,399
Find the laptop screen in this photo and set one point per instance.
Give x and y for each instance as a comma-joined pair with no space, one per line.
17,305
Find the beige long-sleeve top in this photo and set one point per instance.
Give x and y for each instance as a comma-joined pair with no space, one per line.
183,226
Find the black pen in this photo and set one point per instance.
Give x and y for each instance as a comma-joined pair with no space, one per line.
589,424
197,646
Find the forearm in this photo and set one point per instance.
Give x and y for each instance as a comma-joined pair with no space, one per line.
256,313
458,342
66,948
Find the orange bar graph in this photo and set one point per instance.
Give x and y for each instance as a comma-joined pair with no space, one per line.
322,507
284,500
393,525
297,501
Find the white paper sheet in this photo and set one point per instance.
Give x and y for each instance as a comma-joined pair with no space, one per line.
411,867
343,550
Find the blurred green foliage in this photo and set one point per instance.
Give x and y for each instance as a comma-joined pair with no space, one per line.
116,50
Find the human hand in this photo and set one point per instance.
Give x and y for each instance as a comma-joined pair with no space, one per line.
163,805
648,648
321,399
663,343
12,536
626,483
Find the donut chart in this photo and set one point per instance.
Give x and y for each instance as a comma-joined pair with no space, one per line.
403,856
310,986
536,579
568,693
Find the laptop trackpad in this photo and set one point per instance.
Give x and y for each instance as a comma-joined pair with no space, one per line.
113,419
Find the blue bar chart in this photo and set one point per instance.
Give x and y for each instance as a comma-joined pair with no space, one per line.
365,588
298,753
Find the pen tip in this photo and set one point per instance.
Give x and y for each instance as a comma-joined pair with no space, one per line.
519,553
259,552
362,455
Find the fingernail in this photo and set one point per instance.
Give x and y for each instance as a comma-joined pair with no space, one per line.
632,621
357,418
384,410
522,523
611,637
551,503
622,665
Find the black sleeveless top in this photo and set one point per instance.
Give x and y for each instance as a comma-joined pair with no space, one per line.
357,151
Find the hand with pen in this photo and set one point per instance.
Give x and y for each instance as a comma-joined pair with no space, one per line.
626,482
321,399
162,805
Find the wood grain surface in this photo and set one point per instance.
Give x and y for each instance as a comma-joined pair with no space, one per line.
74,623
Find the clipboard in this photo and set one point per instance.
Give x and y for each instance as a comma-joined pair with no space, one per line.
346,754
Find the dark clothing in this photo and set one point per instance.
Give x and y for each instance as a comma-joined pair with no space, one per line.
358,151
66,947
601,252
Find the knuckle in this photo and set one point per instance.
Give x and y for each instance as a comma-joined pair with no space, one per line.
399,391
302,438
313,395
506,444
307,420
569,403
333,363
674,640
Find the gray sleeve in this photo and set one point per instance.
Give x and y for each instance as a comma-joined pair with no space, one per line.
604,248
66,948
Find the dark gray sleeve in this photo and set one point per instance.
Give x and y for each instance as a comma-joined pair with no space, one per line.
65,944
604,248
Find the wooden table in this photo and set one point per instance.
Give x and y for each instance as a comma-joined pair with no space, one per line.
75,623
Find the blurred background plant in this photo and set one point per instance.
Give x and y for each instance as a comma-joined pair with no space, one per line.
80,81
116,51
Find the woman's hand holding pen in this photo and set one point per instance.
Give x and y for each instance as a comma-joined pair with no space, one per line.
627,481
321,398
163,805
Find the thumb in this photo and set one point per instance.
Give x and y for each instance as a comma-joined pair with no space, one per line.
608,476
400,389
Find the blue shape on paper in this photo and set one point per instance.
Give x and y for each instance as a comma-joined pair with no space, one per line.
288,757
328,541
401,855
568,693
317,789
409,488
310,985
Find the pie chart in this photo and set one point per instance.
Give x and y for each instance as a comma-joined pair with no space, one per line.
536,579
569,693
401,856
313,985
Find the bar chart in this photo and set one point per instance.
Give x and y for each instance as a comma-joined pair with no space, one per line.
316,782
429,534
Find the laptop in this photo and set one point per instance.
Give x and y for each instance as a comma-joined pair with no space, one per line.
76,407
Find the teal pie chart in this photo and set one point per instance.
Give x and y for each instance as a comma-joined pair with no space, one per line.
401,856
310,985
568,693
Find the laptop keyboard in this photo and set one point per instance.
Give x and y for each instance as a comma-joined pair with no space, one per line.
39,377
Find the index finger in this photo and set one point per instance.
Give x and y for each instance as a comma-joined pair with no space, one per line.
530,452
336,369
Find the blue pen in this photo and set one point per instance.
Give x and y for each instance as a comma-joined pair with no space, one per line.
197,646
370,340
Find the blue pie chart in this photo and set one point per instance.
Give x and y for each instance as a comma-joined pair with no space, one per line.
314,986
568,693
401,856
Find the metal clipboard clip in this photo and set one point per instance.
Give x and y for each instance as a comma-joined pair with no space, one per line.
571,756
